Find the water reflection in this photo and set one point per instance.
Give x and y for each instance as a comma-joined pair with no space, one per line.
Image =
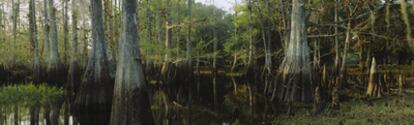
214,101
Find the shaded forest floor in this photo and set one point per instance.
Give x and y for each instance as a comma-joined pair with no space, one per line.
389,110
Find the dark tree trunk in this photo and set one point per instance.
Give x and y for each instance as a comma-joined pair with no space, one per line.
53,64
131,102
46,31
93,101
65,31
46,114
34,110
33,39
73,72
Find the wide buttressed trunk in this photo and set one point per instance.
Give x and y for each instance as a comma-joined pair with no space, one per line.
53,63
130,100
93,101
296,66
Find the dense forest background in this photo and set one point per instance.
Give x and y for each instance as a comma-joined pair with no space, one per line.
187,62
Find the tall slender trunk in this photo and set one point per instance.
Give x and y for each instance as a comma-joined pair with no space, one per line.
34,110
268,53
149,30
337,58
235,35
2,36
189,64
405,17
345,53
33,39
188,43
215,45
15,18
65,31
335,89
335,95
159,28
73,72
251,59
131,101
166,67
46,31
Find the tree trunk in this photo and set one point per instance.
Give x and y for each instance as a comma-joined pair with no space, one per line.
167,65
159,28
131,101
34,110
73,72
405,13
373,88
251,60
269,29
2,35
33,39
149,51
296,66
335,88
188,42
65,31
345,53
16,9
46,31
53,64
93,102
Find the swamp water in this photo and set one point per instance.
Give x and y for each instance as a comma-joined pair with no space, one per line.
222,100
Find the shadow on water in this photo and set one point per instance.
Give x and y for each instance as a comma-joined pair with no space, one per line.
214,101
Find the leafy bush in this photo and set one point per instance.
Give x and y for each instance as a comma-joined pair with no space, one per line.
29,94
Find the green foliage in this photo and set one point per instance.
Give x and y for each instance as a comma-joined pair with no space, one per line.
29,94
13,53
206,21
